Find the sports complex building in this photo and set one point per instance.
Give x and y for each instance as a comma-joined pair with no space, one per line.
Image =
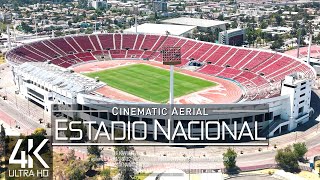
65,70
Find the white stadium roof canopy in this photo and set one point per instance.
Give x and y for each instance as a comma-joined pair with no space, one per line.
161,29
194,22
55,77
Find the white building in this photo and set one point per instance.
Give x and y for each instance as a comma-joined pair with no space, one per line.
160,5
298,108
97,3
5,16
201,24
277,30
46,84
232,37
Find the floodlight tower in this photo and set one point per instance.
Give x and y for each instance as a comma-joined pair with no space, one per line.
36,25
309,48
14,31
299,38
9,37
135,23
171,56
136,11
298,43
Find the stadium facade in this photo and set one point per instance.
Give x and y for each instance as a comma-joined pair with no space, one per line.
233,37
43,73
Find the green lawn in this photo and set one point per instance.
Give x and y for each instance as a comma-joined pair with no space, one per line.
142,175
150,83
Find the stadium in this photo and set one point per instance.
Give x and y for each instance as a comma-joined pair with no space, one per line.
127,69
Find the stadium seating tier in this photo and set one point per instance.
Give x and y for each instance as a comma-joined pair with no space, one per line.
253,69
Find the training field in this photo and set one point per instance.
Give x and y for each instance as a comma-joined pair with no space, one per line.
150,83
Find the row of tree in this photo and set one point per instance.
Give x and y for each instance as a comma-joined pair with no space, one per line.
125,156
77,169
2,151
287,158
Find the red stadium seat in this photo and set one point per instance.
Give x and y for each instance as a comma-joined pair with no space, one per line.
257,71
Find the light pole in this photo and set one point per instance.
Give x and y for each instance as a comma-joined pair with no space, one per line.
189,161
318,119
298,44
171,56
299,39
136,12
309,48
16,100
296,133
9,37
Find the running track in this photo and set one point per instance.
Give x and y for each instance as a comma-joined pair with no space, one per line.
225,92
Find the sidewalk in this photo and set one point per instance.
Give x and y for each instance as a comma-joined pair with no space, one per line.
9,130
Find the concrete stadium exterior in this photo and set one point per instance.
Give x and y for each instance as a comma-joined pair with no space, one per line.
43,73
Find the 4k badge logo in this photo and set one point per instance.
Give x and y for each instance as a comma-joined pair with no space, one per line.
23,161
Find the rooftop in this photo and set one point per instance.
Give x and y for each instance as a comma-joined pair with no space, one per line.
161,29
53,76
232,30
194,22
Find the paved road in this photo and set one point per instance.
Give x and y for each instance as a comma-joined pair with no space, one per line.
253,178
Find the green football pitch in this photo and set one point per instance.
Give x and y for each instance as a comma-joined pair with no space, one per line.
150,83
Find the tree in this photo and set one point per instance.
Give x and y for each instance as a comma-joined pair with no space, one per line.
26,28
88,31
279,20
263,25
125,158
37,136
195,34
126,161
287,159
91,162
216,33
230,159
106,174
83,3
40,131
76,171
251,36
58,33
278,43
94,150
69,23
71,156
234,24
300,149
303,31
317,39
258,40
2,141
220,17
3,27
259,35
2,132
99,12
